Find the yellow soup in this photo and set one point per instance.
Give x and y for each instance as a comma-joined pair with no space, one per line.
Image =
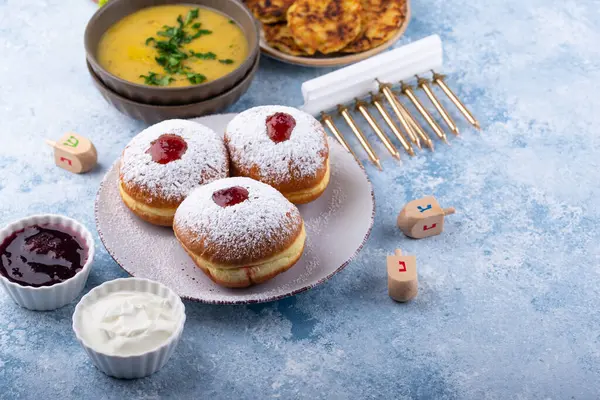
172,45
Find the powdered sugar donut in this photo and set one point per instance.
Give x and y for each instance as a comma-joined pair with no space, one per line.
164,163
283,147
239,231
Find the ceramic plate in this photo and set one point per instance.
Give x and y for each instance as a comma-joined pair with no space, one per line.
338,224
338,59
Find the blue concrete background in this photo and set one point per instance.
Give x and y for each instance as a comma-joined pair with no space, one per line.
509,302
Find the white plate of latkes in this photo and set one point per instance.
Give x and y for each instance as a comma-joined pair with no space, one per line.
338,224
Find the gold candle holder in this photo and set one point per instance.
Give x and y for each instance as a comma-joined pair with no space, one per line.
438,79
391,98
423,84
328,121
361,107
343,110
424,137
408,92
376,101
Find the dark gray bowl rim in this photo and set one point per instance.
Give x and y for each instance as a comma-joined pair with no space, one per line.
250,58
249,75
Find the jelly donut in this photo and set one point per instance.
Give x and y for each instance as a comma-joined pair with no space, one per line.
239,231
164,163
282,147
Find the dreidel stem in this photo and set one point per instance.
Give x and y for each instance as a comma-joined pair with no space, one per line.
51,143
398,252
449,211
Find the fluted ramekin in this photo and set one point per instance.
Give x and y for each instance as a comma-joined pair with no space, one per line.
137,365
46,298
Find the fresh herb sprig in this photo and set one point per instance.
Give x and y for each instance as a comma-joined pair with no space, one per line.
170,53
155,79
195,79
204,56
169,42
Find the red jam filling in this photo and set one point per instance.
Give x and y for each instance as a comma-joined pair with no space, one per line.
167,148
230,196
280,126
41,256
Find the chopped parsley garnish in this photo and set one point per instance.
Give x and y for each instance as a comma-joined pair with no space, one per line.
191,15
204,56
204,32
232,21
169,42
154,79
195,79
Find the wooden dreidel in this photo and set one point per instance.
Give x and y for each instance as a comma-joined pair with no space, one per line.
403,284
74,153
423,217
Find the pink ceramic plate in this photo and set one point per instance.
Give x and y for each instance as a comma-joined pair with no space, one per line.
338,225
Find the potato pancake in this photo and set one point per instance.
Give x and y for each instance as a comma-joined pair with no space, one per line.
381,20
280,37
326,26
269,11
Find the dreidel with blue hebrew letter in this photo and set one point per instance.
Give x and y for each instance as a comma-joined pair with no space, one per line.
423,217
74,153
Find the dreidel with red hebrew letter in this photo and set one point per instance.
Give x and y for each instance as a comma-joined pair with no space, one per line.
423,217
74,153
403,284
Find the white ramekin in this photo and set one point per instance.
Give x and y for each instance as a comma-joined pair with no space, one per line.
49,297
134,366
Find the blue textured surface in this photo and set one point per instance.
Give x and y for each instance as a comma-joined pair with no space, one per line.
509,302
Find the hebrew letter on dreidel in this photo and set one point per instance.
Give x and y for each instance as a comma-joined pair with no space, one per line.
63,159
72,141
423,209
74,153
423,217
403,284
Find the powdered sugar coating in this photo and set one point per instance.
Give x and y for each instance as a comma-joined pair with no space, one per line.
326,252
204,161
299,157
252,230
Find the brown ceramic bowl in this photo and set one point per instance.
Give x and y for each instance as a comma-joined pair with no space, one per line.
152,114
115,10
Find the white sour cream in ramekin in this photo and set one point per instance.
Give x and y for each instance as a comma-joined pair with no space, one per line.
126,323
